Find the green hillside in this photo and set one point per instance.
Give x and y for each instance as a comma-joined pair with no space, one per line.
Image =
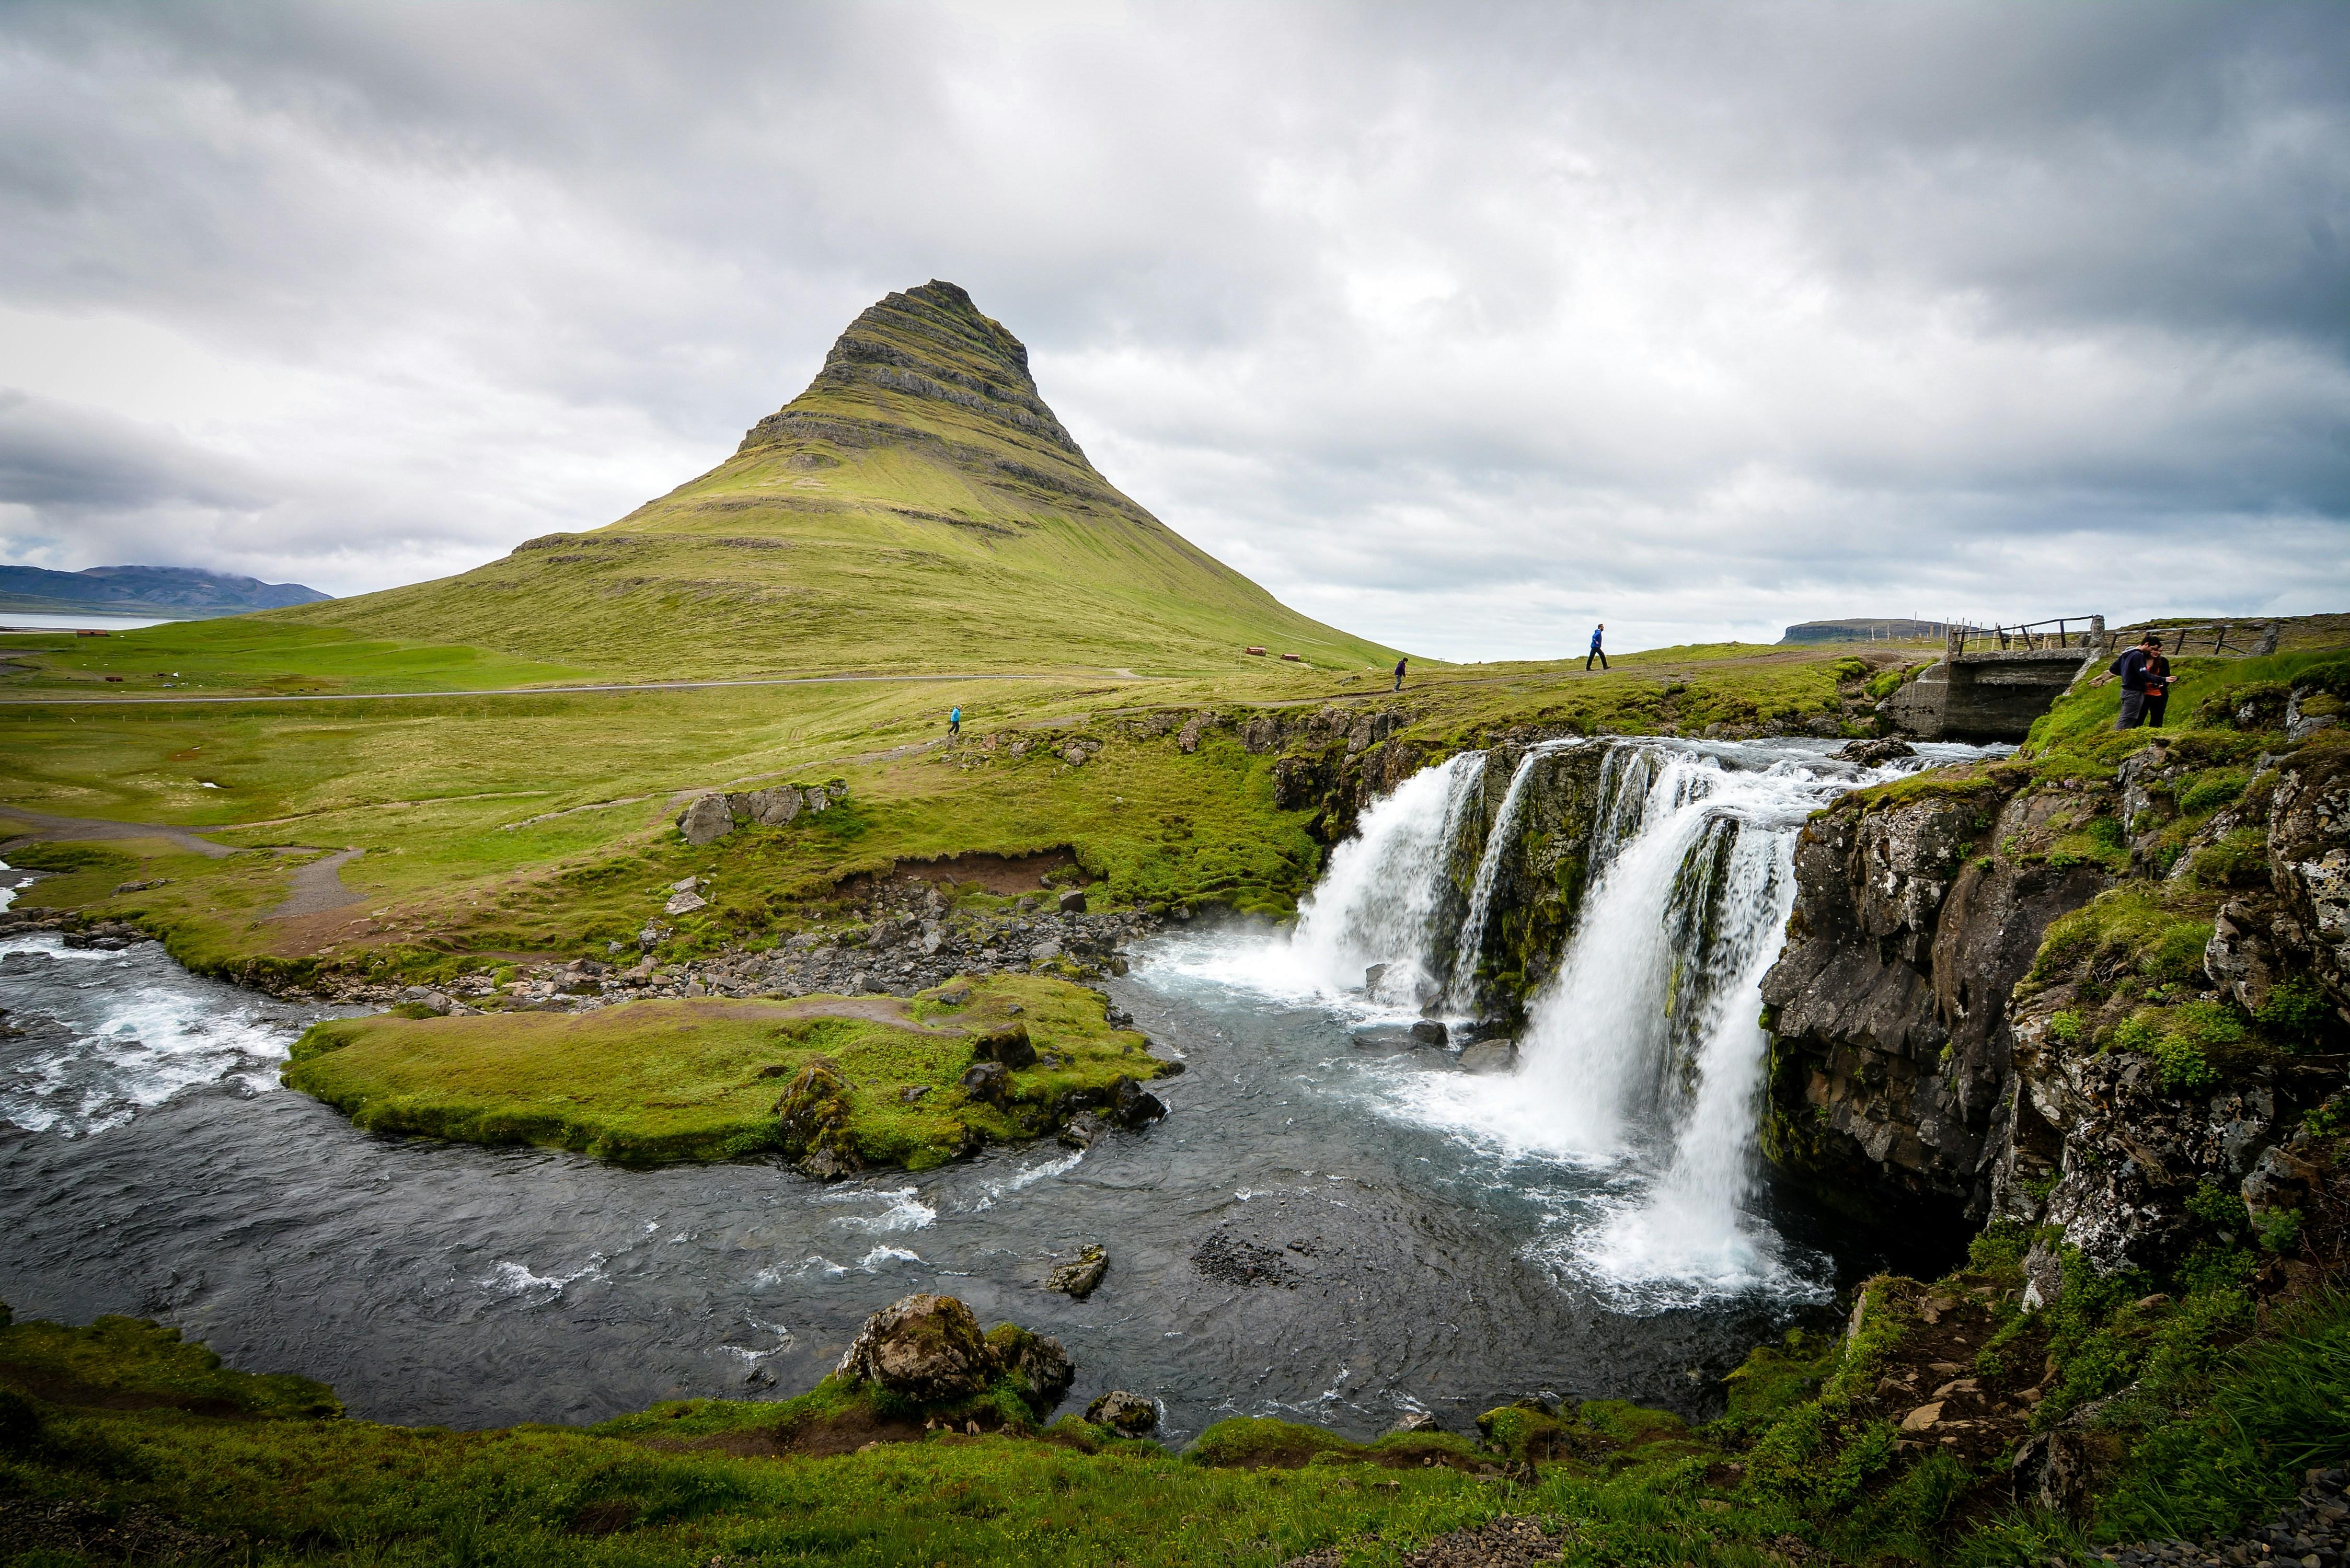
918,506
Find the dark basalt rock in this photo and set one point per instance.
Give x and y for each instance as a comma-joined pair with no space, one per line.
1009,1046
987,1081
1128,1415
1133,1105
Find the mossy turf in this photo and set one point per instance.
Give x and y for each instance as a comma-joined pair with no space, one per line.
652,1081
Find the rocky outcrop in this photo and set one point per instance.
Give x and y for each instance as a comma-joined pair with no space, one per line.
2065,1002
929,1349
1916,913
707,818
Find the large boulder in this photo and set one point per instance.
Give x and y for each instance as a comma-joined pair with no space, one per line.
767,807
926,1348
705,820
1133,1105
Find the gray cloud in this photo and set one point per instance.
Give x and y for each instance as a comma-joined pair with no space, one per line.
1462,326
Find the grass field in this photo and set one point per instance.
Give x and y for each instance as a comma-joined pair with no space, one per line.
701,1079
540,823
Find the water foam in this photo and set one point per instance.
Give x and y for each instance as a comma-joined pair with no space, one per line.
990,1192
110,1033
905,1211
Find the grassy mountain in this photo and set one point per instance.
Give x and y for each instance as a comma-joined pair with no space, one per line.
917,506
180,591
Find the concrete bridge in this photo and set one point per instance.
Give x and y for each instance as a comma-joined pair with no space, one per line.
1991,684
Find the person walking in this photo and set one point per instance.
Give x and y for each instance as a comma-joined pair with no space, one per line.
1399,664
1596,652
954,722
2145,683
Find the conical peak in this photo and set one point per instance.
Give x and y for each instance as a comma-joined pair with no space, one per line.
929,343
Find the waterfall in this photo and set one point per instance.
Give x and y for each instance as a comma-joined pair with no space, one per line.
1642,1061
1629,1118
1390,896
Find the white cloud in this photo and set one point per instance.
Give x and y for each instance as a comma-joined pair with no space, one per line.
1460,328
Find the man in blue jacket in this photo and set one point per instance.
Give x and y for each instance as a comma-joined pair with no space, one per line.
2145,683
1596,652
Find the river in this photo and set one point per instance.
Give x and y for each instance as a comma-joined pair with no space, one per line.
1316,1231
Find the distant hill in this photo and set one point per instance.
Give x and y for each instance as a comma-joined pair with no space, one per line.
182,592
918,506
1866,630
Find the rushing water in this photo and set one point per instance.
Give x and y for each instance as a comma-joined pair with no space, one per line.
1317,1230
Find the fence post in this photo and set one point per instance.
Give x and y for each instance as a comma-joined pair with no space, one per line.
2268,642
2099,638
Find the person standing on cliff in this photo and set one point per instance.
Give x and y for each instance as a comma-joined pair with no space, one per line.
1596,652
2145,683
1399,664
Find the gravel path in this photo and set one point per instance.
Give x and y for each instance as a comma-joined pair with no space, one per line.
46,826
318,886
2312,1533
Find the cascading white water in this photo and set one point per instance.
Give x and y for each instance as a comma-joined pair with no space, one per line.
1387,897
1642,1061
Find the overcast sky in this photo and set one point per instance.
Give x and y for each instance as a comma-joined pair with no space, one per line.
1459,325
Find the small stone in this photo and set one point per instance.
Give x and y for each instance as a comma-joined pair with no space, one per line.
1429,1031
987,1080
1072,902
1923,1416
684,903
1084,1131
1076,1278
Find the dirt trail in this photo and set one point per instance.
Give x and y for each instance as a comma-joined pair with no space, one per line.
46,828
318,887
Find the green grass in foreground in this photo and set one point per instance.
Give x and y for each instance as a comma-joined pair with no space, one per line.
702,1078
149,1429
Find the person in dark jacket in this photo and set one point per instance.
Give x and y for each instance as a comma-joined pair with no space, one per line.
2145,683
1399,664
1596,652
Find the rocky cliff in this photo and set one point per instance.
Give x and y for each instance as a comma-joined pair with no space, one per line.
2086,991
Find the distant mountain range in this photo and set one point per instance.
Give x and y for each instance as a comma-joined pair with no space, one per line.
178,592
1888,629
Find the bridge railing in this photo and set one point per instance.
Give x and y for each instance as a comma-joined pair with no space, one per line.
2224,640
2081,632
